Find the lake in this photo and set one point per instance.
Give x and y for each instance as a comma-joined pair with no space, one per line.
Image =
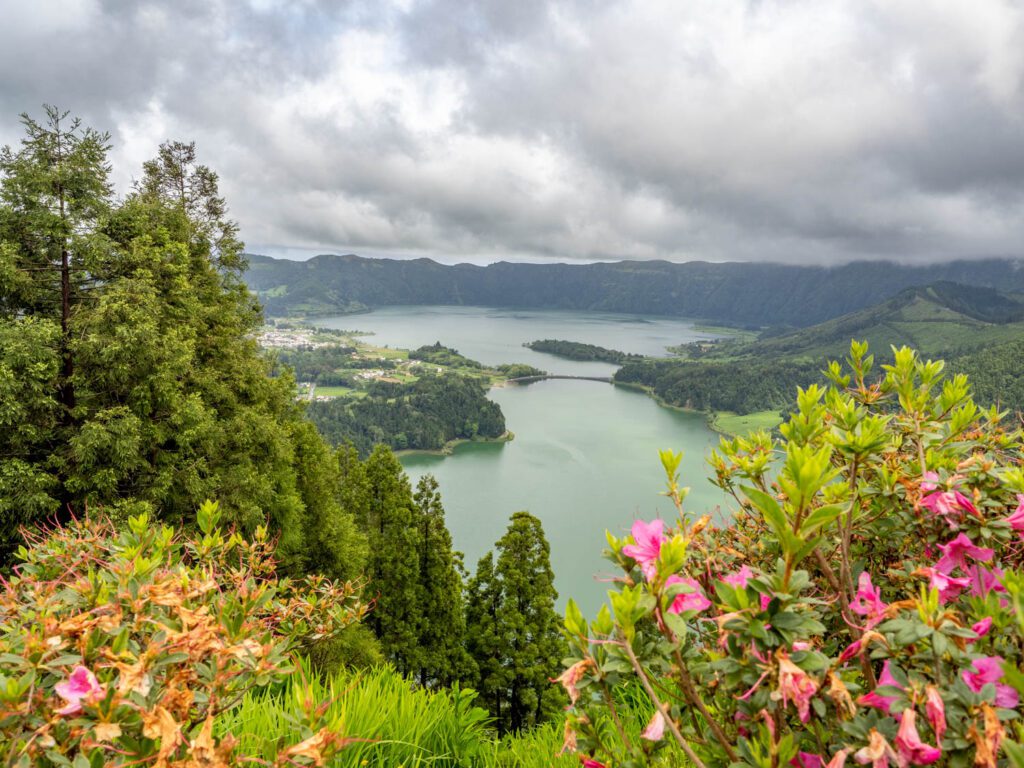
585,454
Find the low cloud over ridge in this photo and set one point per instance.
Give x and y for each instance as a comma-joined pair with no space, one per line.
799,130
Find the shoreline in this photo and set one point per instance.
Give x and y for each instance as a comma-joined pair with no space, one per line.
449,448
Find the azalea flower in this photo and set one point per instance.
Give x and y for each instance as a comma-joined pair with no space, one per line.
989,669
80,686
655,729
981,628
956,552
795,686
838,759
807,760
740,577
868,602
985,580
877,700
929,481
589,762
878,752
949,587
688,601
1016,520
935,711
909,745
571,677
648,538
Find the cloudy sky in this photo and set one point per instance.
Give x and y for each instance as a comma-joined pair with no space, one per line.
797,130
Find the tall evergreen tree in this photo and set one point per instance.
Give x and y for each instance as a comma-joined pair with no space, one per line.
441,652
128,375
394,562
513,627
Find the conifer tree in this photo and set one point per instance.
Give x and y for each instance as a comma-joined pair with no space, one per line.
394,561
512,627
441,653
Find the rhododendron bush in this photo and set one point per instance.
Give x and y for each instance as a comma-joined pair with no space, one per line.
121,647
862,607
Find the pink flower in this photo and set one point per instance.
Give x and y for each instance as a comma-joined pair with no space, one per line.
838,759
981,628
807,760
589,762
795,686
765,602
949,587
956,552
909,745
929,481
989,669
877,700
868,602
655,729
1016,520
688,601
984,580
740,578
81,686
849,652
935,711
648,538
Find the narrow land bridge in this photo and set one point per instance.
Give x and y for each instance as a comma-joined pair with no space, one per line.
530,379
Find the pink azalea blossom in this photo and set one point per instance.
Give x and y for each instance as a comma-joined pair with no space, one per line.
877,700
929,481
589,762
838,759
989,669
981,628
795,686
911,749
1016,520
765,602
82,685
655,729
688,601
868,602
949,587
740,577
984,580
852,650
935,711
807,760
648,538
956,552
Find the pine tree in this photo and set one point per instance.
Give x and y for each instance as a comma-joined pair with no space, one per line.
512,627
441,654
394,561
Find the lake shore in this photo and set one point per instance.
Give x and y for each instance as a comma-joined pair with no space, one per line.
448,448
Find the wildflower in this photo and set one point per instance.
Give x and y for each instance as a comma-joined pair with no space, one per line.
589,762
956,552
807,760
877,700
989,669
838,759
740,577
935,711
929,481
795,685
908,742
878,752
949,587
688,601
80,686
648,538
1016,520
868,602
656,728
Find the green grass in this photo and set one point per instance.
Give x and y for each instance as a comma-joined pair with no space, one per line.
334,391
740,424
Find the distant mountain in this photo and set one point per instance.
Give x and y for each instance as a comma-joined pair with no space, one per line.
940,319
734,292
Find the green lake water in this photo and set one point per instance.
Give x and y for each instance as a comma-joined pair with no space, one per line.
585,455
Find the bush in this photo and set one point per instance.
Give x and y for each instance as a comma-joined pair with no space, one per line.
864,605
125,646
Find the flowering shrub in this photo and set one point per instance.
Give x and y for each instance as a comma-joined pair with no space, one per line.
121,647
863,606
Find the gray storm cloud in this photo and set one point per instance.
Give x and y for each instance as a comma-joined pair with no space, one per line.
797,130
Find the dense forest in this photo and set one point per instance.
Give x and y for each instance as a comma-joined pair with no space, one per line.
577,350
425,414
738,293
438,354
